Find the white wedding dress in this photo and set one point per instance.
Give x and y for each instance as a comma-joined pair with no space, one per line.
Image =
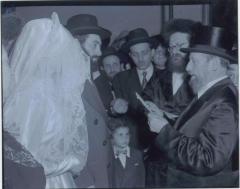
44,111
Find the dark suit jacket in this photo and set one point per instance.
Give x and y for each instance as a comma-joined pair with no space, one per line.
105,90
132,176
125,85
159,90
21,170
95,171
200,145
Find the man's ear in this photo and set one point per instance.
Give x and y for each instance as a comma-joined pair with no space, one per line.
214,63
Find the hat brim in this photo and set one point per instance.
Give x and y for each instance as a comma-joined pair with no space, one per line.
210,50
127,45
103,33
110,54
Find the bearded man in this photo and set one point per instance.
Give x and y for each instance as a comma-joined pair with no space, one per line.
173,92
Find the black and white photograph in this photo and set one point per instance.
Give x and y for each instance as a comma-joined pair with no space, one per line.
119,94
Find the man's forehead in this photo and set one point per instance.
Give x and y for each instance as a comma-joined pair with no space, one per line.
179,37
110,59
140,47
122,129
95,38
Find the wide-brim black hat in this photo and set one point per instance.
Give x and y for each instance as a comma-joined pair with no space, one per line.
82,24
138,35
110,51
212,40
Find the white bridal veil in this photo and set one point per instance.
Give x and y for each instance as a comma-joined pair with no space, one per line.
45,111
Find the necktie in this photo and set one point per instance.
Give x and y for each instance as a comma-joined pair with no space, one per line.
144,80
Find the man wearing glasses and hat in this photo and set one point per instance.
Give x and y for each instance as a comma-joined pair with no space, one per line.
201,145
175,90
85,28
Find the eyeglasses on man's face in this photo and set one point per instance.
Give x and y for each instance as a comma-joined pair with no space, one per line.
177,46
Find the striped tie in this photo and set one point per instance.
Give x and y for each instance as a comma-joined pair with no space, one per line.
144,80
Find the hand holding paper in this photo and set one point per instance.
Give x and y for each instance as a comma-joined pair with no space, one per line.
150,106
156,122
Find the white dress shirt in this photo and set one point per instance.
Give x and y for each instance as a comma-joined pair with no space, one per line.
209,85
177,80
149,71
122,157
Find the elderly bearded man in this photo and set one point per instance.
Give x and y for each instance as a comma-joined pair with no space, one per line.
201,144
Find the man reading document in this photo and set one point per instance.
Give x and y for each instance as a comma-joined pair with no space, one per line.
201,145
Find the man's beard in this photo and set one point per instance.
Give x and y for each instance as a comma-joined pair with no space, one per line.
195,83
94,64
177,63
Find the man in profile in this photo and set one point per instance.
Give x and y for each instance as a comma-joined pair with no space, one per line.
85,28
200,148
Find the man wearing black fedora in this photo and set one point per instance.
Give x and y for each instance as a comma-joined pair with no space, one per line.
201,145
127,83
85,28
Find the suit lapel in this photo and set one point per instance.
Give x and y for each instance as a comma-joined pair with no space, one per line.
90,94
134,79
196,104
167,86
128,168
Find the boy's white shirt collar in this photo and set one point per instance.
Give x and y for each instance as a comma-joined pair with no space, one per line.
122,157
115,151
209,85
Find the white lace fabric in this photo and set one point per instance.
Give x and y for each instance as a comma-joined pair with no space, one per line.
45,112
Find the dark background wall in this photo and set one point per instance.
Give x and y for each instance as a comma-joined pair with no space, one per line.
116,18
149,16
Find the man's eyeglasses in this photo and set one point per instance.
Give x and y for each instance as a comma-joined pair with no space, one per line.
177,46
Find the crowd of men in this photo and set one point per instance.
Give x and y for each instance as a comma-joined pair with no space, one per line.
161,111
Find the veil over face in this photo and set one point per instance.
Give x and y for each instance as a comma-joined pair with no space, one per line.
44,111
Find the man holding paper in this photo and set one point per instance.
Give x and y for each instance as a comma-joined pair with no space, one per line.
201,145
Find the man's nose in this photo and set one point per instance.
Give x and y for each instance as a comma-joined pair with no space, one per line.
189,66
175,51
98,52
111,68
140,58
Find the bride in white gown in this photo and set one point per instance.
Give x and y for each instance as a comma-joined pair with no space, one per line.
45,112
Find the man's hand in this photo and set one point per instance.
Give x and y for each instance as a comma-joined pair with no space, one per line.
153,108
119,106
156,122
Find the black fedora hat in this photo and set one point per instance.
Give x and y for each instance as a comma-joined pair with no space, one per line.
138,35
212,40
86,24
110,51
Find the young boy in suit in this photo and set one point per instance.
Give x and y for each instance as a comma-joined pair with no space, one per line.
126,169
